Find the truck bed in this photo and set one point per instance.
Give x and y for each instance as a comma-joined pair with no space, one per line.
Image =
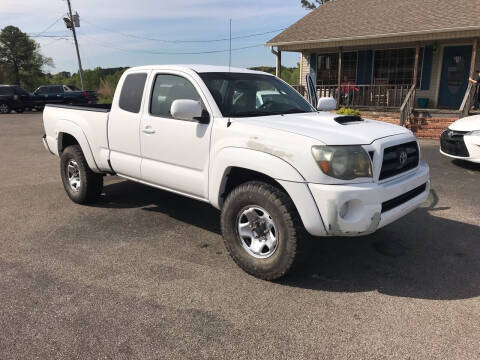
86,107
88,124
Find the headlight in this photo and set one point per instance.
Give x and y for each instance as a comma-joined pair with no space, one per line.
474,133
343,162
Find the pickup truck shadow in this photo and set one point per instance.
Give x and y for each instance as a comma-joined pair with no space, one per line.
129,194
420,256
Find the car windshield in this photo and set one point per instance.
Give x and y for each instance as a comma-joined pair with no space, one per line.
246,94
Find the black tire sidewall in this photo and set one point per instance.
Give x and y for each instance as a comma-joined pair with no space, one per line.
74,152
267,197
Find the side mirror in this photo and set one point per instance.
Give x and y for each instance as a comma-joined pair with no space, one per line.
189,110
326,104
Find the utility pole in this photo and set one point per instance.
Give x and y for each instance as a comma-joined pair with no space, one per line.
72,24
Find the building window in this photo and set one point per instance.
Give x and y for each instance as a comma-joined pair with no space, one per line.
327,68
395,66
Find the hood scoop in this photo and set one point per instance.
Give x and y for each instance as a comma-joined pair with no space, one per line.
348,119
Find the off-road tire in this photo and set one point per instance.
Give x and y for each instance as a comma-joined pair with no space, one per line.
293,240
91,184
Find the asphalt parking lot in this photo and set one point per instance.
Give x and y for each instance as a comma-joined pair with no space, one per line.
144,274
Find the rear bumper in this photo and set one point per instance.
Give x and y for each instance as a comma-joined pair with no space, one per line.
360,209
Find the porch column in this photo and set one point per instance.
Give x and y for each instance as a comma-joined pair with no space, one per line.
474,57
278,67
340,51
415,69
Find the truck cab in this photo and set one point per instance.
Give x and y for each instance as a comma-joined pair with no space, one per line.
64,94
281,171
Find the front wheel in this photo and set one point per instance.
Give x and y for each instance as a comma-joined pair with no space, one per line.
262,230
19,110
80,182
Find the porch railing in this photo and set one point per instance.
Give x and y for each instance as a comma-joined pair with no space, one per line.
468,100
408,106
367,96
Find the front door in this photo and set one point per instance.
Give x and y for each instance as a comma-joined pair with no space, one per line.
454,78
175,152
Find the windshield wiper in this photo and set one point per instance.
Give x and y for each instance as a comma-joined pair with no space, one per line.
294,111
250,113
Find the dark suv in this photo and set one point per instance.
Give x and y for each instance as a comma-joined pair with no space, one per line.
13,97
65,94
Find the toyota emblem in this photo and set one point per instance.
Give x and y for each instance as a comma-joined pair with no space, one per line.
403,158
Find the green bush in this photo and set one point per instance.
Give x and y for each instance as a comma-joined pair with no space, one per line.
349,111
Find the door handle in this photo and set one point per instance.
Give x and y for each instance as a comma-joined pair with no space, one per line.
148,130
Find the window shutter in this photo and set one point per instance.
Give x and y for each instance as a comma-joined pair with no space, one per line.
427,68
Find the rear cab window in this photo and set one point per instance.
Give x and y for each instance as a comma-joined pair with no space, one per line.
132,92
55,90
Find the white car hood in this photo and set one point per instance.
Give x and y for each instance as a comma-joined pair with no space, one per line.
322,126
469,123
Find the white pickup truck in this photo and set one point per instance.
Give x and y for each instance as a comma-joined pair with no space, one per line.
247,143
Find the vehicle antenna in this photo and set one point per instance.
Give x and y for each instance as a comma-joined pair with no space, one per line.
230,47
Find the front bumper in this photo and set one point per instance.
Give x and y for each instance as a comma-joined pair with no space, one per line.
472,144
356,209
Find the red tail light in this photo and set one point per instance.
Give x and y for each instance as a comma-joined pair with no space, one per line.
85,94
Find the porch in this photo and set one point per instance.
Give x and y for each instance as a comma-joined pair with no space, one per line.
399,78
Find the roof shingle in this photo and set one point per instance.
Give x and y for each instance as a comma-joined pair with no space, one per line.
342,19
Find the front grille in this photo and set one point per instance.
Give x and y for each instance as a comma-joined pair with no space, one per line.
452,143
399,200
398,159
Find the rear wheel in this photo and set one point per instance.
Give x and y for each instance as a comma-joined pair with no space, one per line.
80,182
262,230
4,108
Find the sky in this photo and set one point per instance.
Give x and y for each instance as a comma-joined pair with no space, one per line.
133,32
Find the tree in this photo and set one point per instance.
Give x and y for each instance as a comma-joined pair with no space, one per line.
22,55
310,5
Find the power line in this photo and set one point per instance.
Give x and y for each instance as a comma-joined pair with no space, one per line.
50,26
49,36
183,41
108,45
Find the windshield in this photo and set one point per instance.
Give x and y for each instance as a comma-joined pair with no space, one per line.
244,95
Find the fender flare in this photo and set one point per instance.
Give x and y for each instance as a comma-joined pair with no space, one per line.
274,167
258,161
70,128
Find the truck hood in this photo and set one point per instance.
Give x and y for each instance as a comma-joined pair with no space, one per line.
469,123
323,127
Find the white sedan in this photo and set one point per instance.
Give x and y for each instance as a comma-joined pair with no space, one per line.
461,140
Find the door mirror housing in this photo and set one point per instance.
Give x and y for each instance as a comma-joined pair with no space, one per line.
189,110
326,104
